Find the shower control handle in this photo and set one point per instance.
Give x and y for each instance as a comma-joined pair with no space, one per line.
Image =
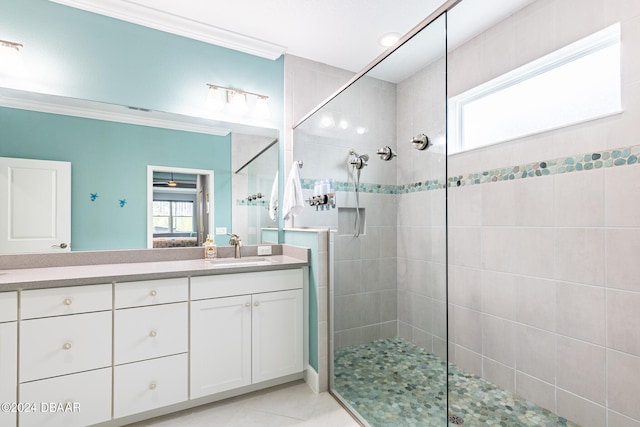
386,153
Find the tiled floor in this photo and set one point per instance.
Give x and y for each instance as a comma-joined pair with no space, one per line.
292,404
393,383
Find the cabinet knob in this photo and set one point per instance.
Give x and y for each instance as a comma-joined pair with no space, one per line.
247,304
67,301
257,303
66,346
153,386
153,293
153,334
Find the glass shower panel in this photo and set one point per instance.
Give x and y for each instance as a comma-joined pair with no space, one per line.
381,144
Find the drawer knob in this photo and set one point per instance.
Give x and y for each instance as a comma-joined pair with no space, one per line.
153,293
257,303
66,346
67,301
247,304
153,334
153,386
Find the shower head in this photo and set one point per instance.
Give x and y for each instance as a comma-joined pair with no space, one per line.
364,157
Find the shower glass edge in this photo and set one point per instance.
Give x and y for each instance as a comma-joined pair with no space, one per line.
387,281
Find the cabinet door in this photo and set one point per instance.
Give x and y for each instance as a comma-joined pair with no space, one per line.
220,345
277,334
8,369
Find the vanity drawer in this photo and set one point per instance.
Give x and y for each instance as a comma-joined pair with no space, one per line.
148,332
151,384
223,285
64,345
151,292
89,391
8,306
62,301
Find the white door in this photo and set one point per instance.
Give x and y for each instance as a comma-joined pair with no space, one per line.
35,205
220,345
277,334
8,370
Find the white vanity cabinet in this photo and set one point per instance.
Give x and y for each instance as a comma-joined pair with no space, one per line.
8,353
150,345
65,355
245,328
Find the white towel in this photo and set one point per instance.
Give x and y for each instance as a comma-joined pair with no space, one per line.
273,202
293,202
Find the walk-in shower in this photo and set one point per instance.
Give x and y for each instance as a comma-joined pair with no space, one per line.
487,283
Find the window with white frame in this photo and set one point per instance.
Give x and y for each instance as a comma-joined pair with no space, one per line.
577,83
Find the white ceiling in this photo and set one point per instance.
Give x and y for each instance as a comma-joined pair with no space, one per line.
341,33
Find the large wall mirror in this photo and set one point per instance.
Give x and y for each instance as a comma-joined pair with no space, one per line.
110,149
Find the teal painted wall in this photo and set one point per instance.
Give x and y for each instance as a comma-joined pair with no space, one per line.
307,239
111,159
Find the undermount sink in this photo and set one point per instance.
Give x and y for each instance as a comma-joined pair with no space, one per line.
239,262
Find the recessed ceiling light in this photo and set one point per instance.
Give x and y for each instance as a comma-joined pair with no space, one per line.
388,39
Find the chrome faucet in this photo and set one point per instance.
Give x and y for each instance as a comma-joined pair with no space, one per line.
235,241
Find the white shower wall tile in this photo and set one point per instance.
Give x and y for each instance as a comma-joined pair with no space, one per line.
580,255
536,302
622,385
531,388
581,369
623,321
581,312
582,411
498,294
622,207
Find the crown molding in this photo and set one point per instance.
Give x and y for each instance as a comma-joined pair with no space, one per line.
152,18
107,112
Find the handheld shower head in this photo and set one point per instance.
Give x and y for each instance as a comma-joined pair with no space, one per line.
364,157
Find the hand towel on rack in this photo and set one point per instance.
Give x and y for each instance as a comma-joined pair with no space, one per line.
293,202
273,201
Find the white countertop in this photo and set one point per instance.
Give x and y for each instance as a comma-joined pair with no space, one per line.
31,278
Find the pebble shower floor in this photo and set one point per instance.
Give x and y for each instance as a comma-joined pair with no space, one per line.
392,383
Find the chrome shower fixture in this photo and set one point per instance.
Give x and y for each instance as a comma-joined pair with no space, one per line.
420,142
359,160
386,153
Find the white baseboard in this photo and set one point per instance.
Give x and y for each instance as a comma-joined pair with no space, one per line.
312,379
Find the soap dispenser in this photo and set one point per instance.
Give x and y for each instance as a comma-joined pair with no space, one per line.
210,249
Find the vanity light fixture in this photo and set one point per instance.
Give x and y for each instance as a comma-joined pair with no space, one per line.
218,96
10,56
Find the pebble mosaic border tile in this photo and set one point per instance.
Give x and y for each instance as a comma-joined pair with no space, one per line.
581,162
393,383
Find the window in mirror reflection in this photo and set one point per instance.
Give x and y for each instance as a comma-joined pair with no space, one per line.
173,219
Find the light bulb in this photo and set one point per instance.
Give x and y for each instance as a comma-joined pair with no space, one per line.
343,124
361,130
388,39
10,57
214,99
261,110
327,121
239,103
